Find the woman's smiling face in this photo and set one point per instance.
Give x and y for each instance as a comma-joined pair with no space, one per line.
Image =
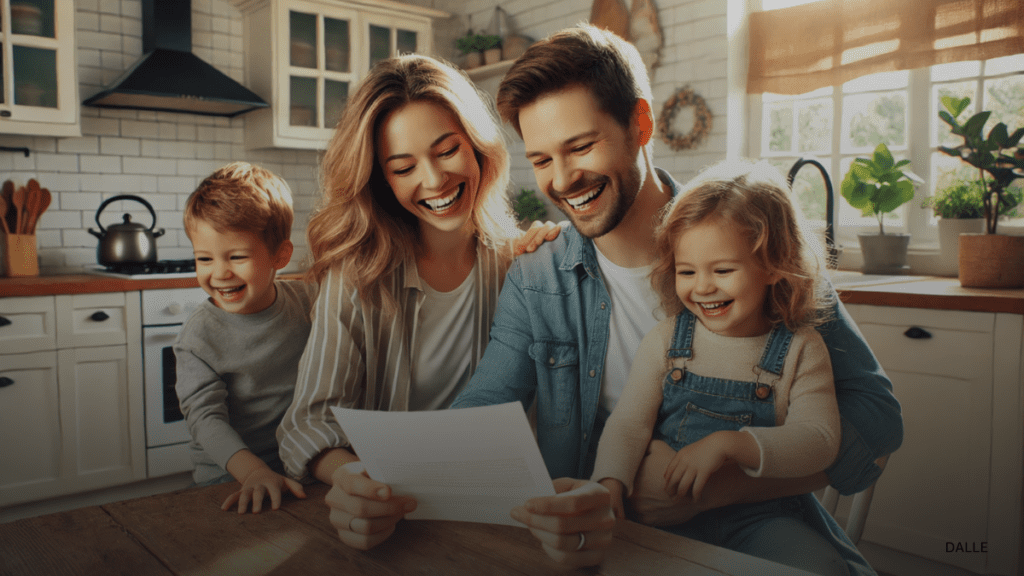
430,164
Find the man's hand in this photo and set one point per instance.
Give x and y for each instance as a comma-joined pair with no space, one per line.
363,510
579,513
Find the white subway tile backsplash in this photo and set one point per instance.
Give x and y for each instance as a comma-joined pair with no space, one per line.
119,146
139,129
80,200
99,164
155,166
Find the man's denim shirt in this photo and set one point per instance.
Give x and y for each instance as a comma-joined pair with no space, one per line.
548,343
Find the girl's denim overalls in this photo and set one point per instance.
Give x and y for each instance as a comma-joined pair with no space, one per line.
694,406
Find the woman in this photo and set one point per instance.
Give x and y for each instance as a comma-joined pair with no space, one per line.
410,248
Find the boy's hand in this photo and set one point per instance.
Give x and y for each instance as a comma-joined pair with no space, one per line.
539,233
615,488
259,484
693,465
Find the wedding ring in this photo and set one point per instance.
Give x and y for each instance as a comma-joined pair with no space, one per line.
583,540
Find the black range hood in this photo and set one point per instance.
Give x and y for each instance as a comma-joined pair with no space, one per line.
169,77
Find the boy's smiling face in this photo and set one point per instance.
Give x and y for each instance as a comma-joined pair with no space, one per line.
236,268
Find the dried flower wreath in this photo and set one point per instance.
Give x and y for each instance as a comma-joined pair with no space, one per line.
701,119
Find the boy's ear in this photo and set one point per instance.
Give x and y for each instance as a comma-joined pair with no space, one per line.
644,121
283,255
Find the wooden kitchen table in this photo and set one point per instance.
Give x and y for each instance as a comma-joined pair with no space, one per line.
186,532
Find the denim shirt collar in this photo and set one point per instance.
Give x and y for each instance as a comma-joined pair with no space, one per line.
580,251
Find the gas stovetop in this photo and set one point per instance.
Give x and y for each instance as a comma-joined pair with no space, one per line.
154,270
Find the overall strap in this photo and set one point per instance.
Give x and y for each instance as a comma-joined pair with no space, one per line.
682,338
769,369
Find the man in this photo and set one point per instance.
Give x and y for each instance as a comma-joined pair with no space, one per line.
571,316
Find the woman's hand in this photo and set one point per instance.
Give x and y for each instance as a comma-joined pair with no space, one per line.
539,233
363,511
575,525
259,484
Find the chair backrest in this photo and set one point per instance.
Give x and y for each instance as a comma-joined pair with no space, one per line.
858,508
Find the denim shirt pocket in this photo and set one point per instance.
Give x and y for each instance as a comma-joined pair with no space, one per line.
558,371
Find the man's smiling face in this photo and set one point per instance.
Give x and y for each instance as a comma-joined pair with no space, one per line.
587,163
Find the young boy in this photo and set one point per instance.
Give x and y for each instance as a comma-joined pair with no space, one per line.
238,353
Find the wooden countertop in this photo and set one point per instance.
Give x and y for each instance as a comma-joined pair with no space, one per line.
186,532
931,292
93,284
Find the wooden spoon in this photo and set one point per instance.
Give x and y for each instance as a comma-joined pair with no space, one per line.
3,215
44,203
33,196
19,208
8,195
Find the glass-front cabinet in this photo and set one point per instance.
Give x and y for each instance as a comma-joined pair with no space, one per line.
38,78
306,56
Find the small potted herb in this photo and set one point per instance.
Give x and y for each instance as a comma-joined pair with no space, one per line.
528,207
479,48
877,186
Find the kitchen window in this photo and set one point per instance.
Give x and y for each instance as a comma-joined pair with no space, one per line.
836,124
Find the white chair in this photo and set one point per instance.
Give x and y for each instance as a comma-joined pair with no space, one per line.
858,508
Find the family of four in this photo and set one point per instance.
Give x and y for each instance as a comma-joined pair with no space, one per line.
684,361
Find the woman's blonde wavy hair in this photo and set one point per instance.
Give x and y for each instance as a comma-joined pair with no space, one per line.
755,199
359,225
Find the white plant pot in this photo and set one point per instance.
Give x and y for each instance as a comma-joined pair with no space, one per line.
950,230
884,253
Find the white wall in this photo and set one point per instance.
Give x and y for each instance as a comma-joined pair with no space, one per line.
160,156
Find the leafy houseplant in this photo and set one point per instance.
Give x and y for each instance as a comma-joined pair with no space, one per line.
988,260
528,207
475,45
960,208
877,186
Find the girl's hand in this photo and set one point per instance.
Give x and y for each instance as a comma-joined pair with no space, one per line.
539,233
615,488
259,484
363,511
691,467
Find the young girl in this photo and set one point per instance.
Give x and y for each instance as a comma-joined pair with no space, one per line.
736,372
410,247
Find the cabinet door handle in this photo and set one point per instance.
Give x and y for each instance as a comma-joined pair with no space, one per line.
5,381
917,333
4,322
99,316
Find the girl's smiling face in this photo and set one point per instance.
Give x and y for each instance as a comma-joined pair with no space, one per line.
236,269
430,164
719,280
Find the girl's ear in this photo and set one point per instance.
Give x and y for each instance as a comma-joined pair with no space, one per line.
644,121
283,255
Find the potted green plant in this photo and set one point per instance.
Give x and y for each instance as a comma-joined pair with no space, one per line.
988,260
479,48
960,209
528,207
877,186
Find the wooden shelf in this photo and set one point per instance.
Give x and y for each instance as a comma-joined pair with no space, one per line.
489,70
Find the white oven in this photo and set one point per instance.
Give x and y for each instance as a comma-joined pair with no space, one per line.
163,313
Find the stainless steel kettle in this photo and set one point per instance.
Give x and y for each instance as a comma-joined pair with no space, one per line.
128,242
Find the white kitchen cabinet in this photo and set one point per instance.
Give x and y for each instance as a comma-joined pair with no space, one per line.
70,405
954,487
305,57
38,72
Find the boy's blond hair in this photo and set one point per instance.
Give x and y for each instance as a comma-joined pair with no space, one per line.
242,197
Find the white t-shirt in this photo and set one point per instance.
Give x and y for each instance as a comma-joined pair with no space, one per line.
634,312
442,346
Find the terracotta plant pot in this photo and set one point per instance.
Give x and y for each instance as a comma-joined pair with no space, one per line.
884,253
492,55
950,230
473,60
991,261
